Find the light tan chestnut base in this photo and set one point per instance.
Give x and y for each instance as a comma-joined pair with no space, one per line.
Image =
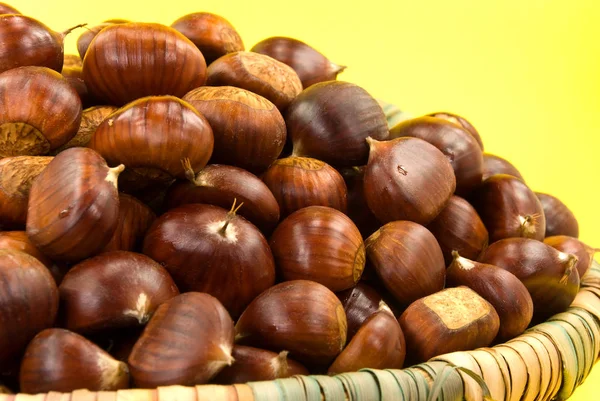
21,139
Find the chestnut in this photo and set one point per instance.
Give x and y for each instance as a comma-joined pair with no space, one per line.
549,275
321,244
508,208
407,259
94,298
358,210
560,220
73,205
57,111
459,228
7,9
311,66
62,361
187,342
163,130
493,165
407,179
585,253
459,146
19,241
25,41
257,73
84,40
249,130
135,218
298,182
91,118
330,121
29,300
219,185
74,75
460,121
507,294
359,302
117,68
16,177
211,33
300,316
454,319
254,364
207,249
378,344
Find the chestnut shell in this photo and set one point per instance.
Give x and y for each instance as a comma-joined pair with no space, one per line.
560,220
91,118
135,218
460,121
493,165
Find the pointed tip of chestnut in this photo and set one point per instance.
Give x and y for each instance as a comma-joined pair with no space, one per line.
570,263
113,174
336,68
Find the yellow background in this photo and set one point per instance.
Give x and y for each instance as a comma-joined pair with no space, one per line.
526,73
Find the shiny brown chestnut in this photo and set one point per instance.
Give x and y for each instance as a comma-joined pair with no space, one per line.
459,228
585,253
249,130
29,300
211,33
311,66
407,179
113,290
207,249
321,244
454,319
560,220
84,40
298,182
359,302
254,364
91,118
19,241
187,342
549,275
25,41
135,218
378,344
460,121
16,177
73,205
508,208
493,165
7,9
220,185
257,73
74,75
300,316
57,114
330,121
459,146
156,132
59,360
407,259
358,210
111,68
507,294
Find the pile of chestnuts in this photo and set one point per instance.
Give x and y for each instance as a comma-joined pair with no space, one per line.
178,210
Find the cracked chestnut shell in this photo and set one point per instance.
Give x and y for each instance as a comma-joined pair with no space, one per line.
320,244
113,290
187,342
135,219
300,316
407,259
211,33
560,220
163,130
91,118
62,361
330,121
249,130
16,177
407,179
39,111
28,299
117,68
73,205
459,146
298,182
508,208
205,248
257,73
493,165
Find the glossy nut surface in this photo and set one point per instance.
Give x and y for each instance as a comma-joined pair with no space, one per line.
91,118
135,218
560,220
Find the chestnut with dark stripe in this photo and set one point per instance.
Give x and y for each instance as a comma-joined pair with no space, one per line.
156,132
133,60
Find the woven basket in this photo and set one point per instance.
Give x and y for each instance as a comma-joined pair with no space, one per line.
548,362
